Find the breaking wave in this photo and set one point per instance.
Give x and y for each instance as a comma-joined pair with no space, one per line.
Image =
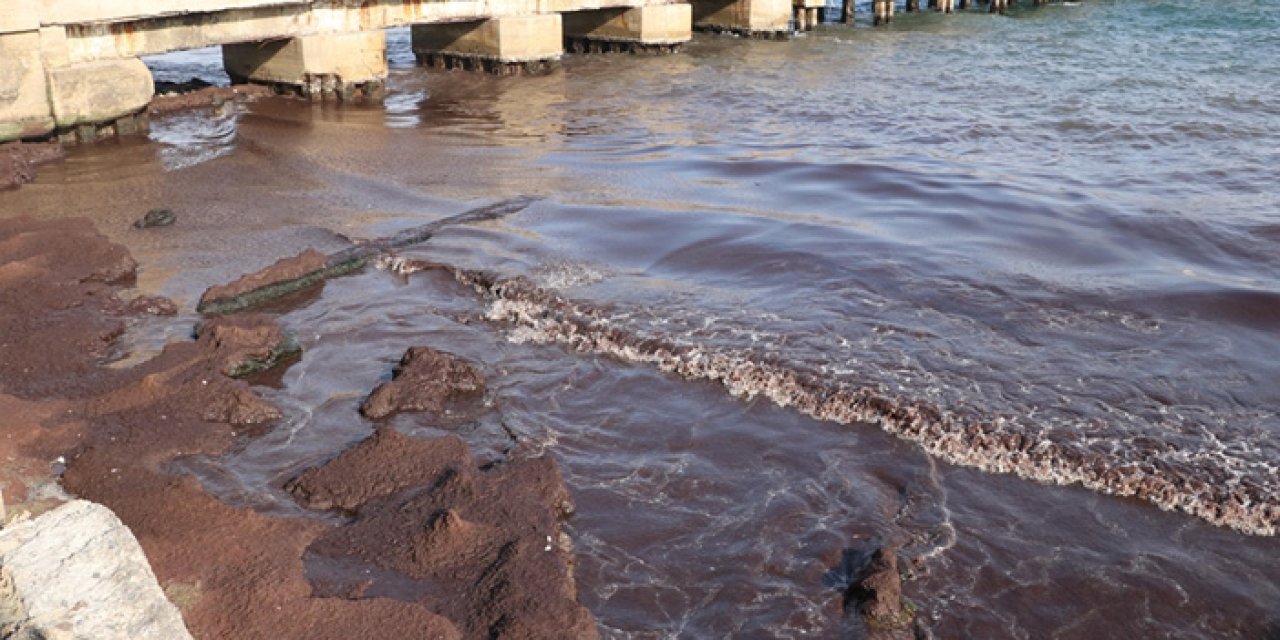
1208,490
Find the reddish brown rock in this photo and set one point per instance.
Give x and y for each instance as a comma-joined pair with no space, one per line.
246,343
204,97
285,273
18,161
233,572
425,380
387,462
152,305
877,595
485,548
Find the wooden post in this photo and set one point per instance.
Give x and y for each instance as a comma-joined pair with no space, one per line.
846,11
913,6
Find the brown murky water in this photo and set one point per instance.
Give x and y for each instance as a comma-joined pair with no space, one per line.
1053,238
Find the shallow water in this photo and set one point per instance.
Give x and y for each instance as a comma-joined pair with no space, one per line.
1059,225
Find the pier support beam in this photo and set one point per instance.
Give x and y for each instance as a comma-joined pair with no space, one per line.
502,46
651,29
882,11
752,18
25,111
343,66
808,13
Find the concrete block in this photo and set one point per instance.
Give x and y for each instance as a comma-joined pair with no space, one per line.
657,24
24,94
746,16
505,39
77,573
55,47
97,92
88,11
18,15
348,57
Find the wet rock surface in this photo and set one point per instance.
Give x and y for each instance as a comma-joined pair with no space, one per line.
873,600
484,547
474,552
246,343
18,161
240,573
159,217
291,274
425,380
174,97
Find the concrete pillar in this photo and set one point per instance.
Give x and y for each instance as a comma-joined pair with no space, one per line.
753,18
100,99
344,66
503,46
25,111
806,13
43,93
651,29
882,11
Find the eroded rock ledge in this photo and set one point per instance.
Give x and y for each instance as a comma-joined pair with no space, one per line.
483,547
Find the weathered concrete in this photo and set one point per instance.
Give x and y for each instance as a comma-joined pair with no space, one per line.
78,573
86,11
347,64
756,18
505,45
94,92
18,15
658,28
24,103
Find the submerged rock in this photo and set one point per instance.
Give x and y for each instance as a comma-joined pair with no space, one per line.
425,380
77,572
875,592
485,548
156,218
152,305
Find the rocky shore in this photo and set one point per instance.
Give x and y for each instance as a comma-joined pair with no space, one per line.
431,544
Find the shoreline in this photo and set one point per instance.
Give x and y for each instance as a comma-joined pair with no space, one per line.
234,572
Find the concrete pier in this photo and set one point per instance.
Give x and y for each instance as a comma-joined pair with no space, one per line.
345,66
502,46
882,11
71,69
44,91
651,29
808,13
769,19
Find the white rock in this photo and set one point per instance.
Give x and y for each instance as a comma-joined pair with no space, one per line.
78,573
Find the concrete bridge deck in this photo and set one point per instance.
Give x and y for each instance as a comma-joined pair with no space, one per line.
72,66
